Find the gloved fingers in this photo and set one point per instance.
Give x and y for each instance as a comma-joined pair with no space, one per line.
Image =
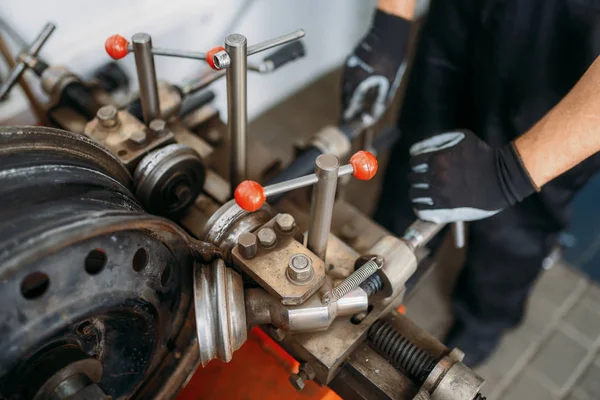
418,180
419,164
437,143
358,100
420,197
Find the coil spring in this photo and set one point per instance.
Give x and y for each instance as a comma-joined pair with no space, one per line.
352,282
372,285
403,354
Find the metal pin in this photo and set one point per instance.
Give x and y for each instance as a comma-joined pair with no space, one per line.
237,112
321,210
269,44
458,231
144,62
303,181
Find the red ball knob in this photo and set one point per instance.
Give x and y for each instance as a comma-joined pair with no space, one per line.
211,54
117,46
250,196
365,165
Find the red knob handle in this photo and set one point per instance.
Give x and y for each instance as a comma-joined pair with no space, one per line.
117,46
365,165
250,196
211,54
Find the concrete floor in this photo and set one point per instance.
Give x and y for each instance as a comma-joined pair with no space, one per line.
554,354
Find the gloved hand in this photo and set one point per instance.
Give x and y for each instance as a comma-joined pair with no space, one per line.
457,177
375,64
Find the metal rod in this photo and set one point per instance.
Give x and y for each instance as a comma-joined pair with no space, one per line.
321,210
303,181
32,51
160,51
458,231
268,44
202,82
237,112
39,41
144,62
10,61
419,233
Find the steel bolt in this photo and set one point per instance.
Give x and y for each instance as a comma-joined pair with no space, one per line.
247,245
108,116
305,373
222,59
267,237
138,137
158,127
285,222
300,268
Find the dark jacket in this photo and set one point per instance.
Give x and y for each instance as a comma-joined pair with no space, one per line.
496,67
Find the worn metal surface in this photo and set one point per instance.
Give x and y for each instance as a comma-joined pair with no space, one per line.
312,315
82,262
331,140
118,139
327,350
226,225
169,179
399,265
269,267
220,311
459,383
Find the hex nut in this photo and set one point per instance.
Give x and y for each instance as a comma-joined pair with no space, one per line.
247,245
138,137
300,268
297,382
285,222
267,237
158,127
222,59
108,116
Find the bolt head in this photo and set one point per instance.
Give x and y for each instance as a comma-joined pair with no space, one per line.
267,237
108,116
299,268
138,137
158,127
285,222
297,381
247,245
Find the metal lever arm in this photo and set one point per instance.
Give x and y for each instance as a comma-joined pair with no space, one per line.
21,66
250,195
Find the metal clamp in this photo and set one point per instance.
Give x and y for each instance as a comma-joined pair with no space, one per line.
250,195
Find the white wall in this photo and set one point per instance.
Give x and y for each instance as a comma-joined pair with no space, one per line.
332,29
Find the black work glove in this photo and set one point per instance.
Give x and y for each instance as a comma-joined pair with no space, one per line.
375,67
457,177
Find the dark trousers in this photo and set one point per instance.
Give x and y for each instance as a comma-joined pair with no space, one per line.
504,255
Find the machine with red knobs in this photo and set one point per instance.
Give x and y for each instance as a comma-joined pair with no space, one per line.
187,244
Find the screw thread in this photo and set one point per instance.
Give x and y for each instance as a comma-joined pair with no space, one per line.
402,353
352,282
372,284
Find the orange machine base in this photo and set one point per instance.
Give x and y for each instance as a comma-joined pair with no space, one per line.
258,371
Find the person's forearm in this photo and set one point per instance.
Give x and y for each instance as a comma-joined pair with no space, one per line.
567,135
400,8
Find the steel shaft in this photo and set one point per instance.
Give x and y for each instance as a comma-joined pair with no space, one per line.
237,111
144,62
321,210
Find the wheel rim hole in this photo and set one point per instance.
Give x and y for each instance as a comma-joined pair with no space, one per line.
140,259
95,261
166,274
34,285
